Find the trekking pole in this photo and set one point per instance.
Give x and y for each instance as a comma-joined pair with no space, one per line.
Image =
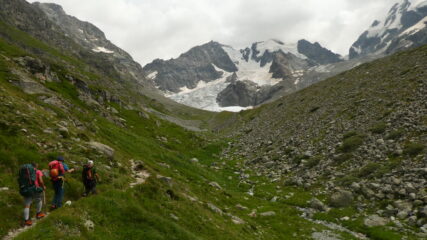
44,200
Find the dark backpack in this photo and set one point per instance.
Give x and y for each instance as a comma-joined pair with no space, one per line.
88,174
85,174
27,180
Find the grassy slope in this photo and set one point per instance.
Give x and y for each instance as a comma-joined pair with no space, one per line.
29,133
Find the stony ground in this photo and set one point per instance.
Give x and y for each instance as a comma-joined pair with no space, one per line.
358,139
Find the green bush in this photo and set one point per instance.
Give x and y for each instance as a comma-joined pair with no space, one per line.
368,169
395,134
413,149
312,162
343,158
350,134
351,143
297,160
379,128
347,180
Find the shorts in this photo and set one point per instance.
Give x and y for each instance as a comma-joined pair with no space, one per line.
37,197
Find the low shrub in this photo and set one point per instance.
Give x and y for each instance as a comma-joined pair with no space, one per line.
395,134
413,149
379,128
312,162
351,143
343,158
368,169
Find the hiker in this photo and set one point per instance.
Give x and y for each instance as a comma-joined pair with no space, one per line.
57,171
31,187
89,178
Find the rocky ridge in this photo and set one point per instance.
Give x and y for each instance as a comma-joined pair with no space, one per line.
404,27
94,41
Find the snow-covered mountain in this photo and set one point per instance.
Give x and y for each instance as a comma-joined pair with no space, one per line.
403,27
218,77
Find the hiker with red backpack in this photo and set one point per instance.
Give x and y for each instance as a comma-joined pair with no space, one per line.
31,187
90,178
57,171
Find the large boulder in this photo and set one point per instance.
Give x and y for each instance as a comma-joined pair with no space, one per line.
27,84
375,221
318,205
341,198
102,148
268,214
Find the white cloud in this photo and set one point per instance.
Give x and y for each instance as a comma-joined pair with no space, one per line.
150,29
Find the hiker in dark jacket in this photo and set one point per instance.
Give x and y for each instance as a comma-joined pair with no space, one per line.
57,171
35,197
89,178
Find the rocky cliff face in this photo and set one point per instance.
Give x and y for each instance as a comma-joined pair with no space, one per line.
94,41
32,20
317,53
198,64
245,94
404,27
61,41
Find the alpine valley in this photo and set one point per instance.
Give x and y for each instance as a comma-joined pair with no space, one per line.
299,142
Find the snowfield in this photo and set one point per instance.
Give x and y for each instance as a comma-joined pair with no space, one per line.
102,49
204,95
251,70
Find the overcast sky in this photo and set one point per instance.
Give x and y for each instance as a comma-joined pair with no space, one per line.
150,29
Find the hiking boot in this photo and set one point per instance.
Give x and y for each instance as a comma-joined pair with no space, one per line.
28,222
53,207
40,215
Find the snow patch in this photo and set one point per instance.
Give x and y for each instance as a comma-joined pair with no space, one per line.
416,4
102,49
392,21
152,75
275,45
358,50
416,28
80,30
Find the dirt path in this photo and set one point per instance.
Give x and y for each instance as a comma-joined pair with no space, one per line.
15,232
139,174
333,227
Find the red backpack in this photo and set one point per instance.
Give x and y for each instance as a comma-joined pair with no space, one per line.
54,167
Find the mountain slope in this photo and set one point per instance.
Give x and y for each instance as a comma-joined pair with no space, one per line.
359,138
98,76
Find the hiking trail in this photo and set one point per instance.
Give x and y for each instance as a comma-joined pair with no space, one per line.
139,173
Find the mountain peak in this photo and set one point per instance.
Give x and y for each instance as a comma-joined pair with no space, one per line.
316,52
381,34
55,7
